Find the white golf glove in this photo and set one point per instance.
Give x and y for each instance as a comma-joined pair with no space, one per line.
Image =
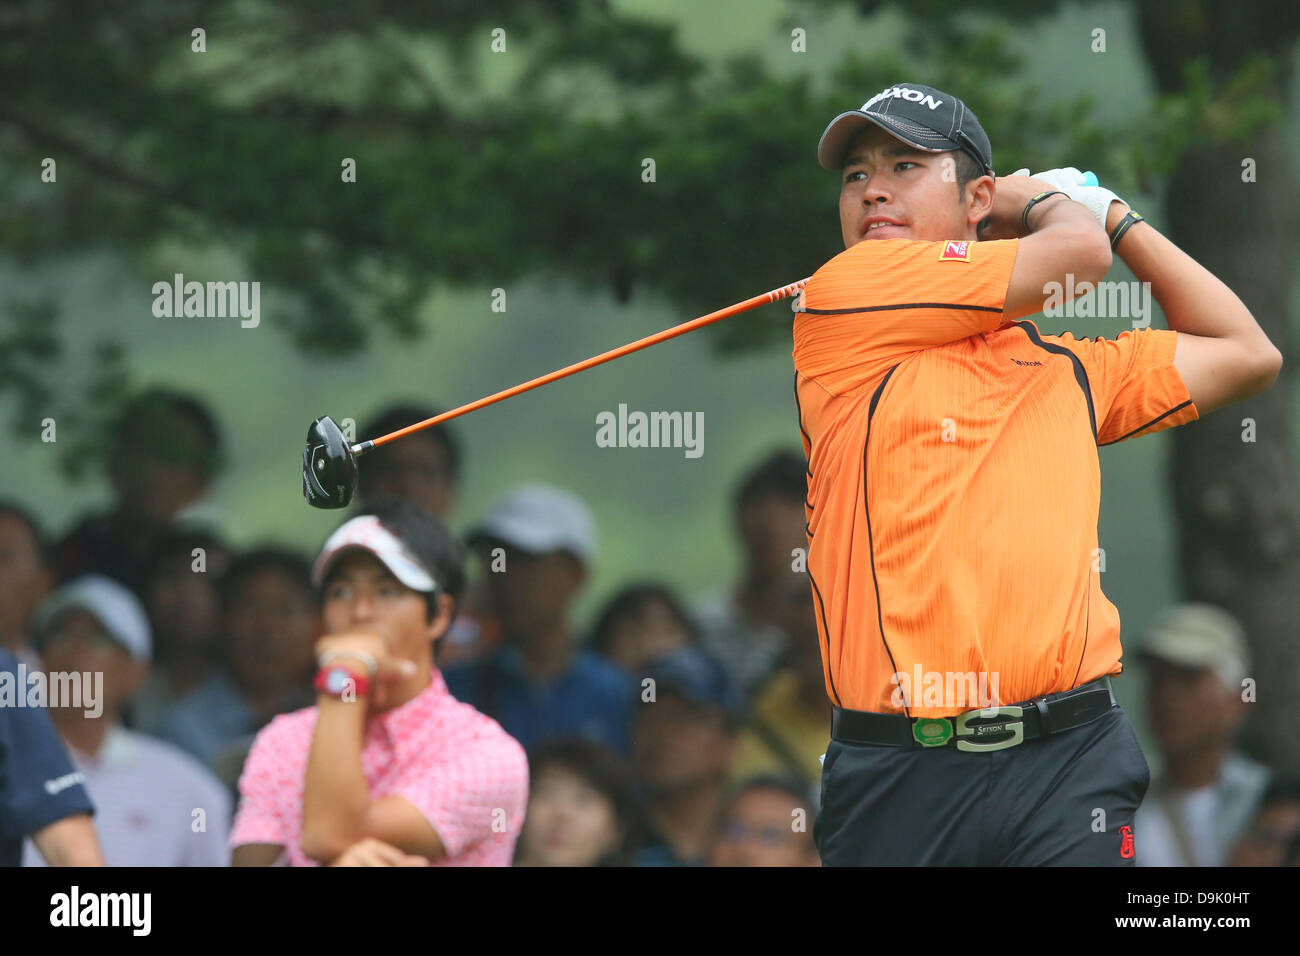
1096,199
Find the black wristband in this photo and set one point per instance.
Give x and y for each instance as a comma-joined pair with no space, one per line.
1024,216
1123,226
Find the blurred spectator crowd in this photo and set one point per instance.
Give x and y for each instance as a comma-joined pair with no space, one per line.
665,732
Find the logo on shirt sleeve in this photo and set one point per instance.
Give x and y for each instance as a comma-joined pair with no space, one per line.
955,249
59,784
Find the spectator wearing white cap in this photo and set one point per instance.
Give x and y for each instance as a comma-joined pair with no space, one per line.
537,543
155,805
1205,795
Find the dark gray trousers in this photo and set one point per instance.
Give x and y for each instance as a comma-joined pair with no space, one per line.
1063,800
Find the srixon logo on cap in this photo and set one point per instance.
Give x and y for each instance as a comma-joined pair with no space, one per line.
913,96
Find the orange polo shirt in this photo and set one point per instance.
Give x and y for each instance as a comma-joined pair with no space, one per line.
953,480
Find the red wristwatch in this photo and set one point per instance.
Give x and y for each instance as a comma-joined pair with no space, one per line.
337,681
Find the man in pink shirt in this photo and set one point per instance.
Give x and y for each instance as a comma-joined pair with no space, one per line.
388,769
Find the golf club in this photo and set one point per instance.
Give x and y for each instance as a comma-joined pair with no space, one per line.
329,470
329,466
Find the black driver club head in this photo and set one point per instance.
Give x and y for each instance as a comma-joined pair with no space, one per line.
329,469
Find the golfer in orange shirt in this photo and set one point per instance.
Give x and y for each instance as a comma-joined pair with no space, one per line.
954,489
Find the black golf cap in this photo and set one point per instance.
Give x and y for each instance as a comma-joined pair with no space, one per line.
921,116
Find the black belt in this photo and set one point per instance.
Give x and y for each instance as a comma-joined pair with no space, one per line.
993,728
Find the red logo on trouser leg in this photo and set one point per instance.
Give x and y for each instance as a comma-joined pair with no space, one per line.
1126,842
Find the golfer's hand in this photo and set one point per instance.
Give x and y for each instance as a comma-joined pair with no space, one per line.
1096,199
1009,200
389,670
1061,178
372,852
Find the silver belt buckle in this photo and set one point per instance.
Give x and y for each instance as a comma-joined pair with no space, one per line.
969,736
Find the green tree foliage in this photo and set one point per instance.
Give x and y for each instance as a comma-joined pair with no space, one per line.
473,166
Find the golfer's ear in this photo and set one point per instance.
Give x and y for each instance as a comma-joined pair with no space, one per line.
440,623
979,193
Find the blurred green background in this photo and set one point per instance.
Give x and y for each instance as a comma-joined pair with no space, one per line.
659,514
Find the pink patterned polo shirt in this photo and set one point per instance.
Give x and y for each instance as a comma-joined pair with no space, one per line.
455,765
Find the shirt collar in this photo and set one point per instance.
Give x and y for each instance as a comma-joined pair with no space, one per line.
412,722
116,752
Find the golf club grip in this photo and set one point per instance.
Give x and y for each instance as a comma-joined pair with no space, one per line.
765,298
1090,178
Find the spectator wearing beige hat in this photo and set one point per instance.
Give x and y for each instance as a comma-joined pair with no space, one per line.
1206,793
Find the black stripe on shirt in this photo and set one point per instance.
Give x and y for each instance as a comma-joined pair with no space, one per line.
906,305
1148,424
871,543
1080,373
